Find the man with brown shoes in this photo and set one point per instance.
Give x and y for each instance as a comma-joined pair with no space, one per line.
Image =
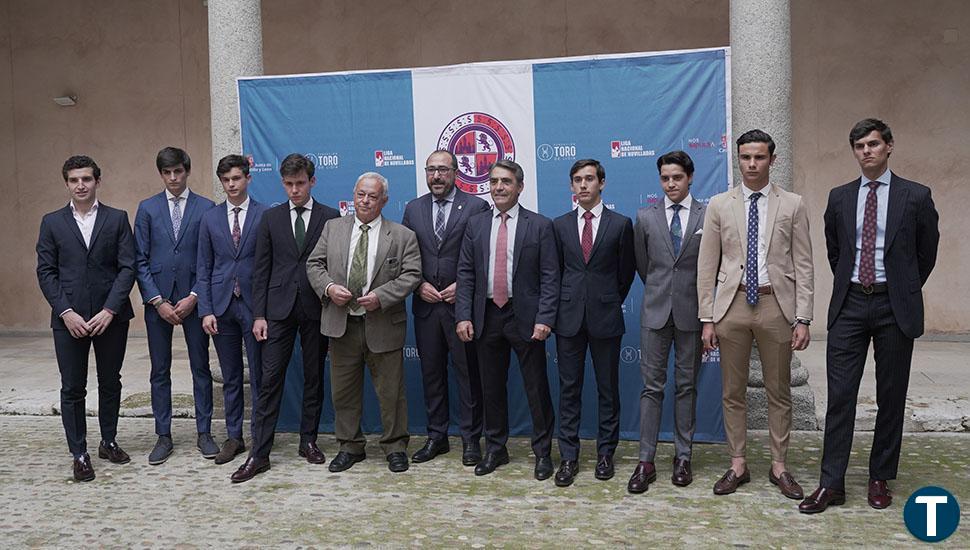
757,251
881,233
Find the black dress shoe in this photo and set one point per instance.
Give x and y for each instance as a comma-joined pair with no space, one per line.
491,462
344,460
682,476
431,449
821,499
567,473
83,470
397,462
543,469
604,467
113,453
312,453
644,474
471,453
250,469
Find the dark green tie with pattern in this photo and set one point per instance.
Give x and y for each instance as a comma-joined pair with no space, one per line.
358,265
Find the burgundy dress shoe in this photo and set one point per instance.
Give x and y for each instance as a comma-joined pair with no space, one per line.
83,470
682,476
567,473
250,469
879,494
821,499
113,453
312,453
604,467
642,477
730,482
789,487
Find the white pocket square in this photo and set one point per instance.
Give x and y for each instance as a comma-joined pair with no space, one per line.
699,231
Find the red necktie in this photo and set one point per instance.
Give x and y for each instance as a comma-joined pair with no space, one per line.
500,282
867,263
236,237
587,240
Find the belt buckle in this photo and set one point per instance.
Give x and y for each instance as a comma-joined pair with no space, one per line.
867,289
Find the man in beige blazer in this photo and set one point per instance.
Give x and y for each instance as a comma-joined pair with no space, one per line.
363,268
755,281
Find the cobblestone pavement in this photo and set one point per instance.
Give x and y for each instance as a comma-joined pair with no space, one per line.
188,502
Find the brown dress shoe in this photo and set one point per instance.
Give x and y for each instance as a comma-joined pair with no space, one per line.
230,449
250,469
83,470
312,453
113,453
789,487
730,482
642,477
682,476
821,499
879,494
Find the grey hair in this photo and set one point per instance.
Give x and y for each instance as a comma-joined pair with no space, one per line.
376,176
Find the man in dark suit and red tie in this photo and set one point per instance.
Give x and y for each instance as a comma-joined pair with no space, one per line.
438,219
881,235
508,292
86,268
227,250
596,260
285,304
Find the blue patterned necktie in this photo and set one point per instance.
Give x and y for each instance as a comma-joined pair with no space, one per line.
439,221
676,232
751,266
176,216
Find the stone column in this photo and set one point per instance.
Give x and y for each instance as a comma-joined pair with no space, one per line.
761,98
235,49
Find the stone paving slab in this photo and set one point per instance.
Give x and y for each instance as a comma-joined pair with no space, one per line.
188,502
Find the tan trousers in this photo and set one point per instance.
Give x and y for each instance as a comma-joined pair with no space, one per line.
348,355
765,324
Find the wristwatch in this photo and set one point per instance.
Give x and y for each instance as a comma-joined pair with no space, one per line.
805,322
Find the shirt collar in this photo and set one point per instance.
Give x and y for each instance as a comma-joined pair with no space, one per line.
450,197
374,224
184,196
308,205
512,212
242,207
596,210
884,179
748,192
93,210
686,203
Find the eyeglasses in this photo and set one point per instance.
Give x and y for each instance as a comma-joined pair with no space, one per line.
430,170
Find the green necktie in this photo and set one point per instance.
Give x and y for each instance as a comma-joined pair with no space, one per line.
358,265
300,228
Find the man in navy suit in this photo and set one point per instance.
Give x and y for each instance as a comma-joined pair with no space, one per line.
286,305
86,268
166,242
508,290
438,219
882,235
227,248
596,260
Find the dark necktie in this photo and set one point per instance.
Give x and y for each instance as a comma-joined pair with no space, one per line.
299,229
587,240
236,237
439,221
357,278
676,232
500,282
751,266
867,262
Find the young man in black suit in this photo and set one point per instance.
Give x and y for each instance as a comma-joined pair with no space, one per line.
881,234
596,259
86,268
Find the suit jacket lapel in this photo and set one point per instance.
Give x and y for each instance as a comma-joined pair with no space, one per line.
457,207
485,240
187,212
575,242
521,227
316,218
894,212
850,204
660,217
72,224
252,218
98,224
606,215
338,251
737,206
383,246
693,220
770,218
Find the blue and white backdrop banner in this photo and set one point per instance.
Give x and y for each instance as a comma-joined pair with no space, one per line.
624,110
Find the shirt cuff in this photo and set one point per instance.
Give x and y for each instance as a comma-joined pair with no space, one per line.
707,320
152,301
109,311
66,311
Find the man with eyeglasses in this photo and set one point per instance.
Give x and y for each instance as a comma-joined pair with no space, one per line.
438,219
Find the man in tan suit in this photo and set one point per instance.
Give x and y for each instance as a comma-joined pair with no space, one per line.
363,268
757,250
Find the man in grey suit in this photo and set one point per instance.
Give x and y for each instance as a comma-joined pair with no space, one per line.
363,268
666,241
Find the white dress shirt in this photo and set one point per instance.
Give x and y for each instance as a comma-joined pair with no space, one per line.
373,234
510,249
85,222
597,216
183,200
684,212
446,207
305,216
243,208
882,210
762,230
